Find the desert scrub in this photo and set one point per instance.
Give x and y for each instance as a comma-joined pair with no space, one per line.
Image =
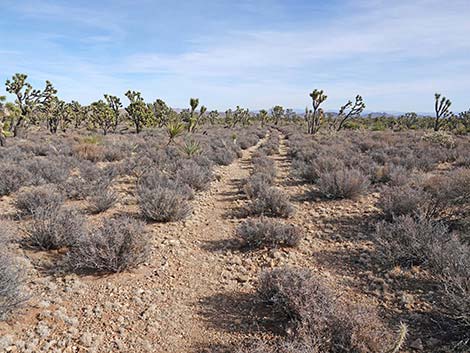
409,241
309,310
12,178
271,202
194,175
255,184
101,198
266,166
411,200
342,184
266,232
54,228
12,292
115,246
29,200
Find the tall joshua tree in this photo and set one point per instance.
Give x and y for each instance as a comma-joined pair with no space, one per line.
442,109
139,113
115,104
263,117
277,113
194,118
28,100
314,117
349,111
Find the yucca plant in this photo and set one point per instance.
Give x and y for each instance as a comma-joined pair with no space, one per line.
191,148
174,129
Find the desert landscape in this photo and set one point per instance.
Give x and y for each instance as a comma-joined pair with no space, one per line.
235,177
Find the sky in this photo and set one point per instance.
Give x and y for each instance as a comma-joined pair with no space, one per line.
252,53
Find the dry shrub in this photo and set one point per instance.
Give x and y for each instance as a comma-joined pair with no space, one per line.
342,184
102,198
267,232
390,174
12,178
222,156
266,166
310,311
271,202
194,175
117,245
402,200
54,228
311,169
450,260
89,152
31,199
49,170
163,203
255,184
408,240
12,294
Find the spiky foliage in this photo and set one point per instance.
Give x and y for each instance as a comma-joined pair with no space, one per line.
191,148
103,116
262,117
277,113
161,111
28,100
442,109
193,118
139,113
212,116
78,113
349,111
115,105
58,115
314,117
174,128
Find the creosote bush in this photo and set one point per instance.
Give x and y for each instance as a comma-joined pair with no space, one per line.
30,200
268,232
115,246
54,228
12,294
342,184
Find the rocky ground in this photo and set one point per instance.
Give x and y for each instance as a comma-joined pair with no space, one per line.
196,293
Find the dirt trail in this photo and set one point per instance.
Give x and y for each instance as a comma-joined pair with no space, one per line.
173,303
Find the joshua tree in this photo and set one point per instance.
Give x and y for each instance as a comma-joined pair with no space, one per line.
277,113
240,115
139,113
115,104
192,120
213,116
28,100
314,117
263,117
442,109
58,114
349,111
103,115
161,111
78,113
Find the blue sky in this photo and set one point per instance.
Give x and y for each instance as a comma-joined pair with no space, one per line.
253,53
